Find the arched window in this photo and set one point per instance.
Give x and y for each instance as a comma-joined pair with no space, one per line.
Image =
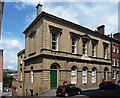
93,75
21,74
84,75
31,76
74,75
21,61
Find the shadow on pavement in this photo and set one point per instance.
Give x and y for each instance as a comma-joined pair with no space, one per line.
114,93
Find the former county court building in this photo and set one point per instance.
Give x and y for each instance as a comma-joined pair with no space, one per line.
58,50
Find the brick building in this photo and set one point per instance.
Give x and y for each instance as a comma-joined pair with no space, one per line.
58,50
1,51
1,70
115,53
14,88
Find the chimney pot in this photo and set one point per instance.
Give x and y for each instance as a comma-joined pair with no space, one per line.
39,8
101,29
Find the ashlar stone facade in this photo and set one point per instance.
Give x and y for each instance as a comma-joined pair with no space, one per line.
57,50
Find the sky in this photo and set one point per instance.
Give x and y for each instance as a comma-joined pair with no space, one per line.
18,15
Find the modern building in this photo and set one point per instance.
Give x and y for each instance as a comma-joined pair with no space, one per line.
115,57
57,50
1,51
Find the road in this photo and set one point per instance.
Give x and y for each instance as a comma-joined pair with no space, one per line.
115,93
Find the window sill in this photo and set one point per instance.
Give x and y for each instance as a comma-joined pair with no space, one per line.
114,79
113,65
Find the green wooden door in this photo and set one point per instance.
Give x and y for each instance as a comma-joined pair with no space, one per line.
53,79
105,75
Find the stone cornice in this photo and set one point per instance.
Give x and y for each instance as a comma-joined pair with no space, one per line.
69,59
68,23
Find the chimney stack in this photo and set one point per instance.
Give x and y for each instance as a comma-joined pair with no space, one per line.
39,8
117,35
101,29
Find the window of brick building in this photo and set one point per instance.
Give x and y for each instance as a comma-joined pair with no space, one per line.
113,61
117,61
74,46
117,49
113,48
54,41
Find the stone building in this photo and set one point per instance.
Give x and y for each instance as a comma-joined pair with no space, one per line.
115,53
58,50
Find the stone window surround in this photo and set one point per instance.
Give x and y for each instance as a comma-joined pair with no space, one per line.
21,61
74,46
85,48
105,48
94,70
55,31
74,75
94,43
20,74
93,50
31,76
85,37
84,75
114,74
55,41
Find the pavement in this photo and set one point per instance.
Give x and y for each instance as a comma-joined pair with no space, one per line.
6,94
52,92
90,88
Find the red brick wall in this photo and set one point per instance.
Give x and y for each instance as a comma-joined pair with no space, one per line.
14,88
14,92
116,55
1,69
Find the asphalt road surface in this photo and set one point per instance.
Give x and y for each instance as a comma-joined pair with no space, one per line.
115,93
